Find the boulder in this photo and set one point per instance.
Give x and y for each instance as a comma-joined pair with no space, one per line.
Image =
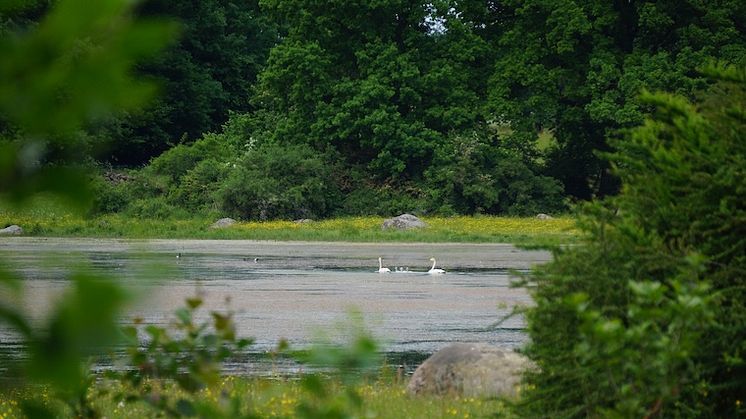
470,370
544,216
223,222
12,230
303,221
403,222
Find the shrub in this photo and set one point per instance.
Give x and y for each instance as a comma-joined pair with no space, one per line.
154,208
647,317
276,181
108,197
145,184
199,186
367,199
473,175
180,159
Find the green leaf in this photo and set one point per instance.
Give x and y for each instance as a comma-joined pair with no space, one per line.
184,315
194,302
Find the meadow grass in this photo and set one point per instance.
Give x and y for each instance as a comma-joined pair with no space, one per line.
276,398
58,221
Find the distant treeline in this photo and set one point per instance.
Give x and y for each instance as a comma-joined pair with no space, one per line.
297,108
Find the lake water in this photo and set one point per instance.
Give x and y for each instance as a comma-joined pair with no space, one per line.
291,290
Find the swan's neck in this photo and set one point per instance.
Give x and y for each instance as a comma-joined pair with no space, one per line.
380,264
433,265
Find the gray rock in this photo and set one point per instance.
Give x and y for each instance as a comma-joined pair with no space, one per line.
223,222
303,221
12,230
544,216
403,222
471,370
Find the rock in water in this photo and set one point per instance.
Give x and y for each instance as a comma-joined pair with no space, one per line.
12,230
471,370
223,222
403,222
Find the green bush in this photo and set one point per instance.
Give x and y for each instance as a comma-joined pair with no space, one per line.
155,208
474,175
146,184
108,197
276,181
198,188
646,318
179,160
369,199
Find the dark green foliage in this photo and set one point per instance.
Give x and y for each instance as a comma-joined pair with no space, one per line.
373,81
181,159
647,317
154,208
273,182
200,186
108,197
388,88
56,78
474,175
185,178
209,72
578,67
366,198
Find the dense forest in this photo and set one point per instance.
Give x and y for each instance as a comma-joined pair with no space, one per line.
303,109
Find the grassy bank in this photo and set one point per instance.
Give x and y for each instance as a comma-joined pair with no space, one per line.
276,398
57,221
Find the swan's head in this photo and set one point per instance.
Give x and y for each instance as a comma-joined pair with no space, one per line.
432,259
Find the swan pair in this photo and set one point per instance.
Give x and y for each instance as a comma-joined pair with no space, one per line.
432,271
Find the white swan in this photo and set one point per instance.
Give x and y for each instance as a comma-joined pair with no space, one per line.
381,269
434,271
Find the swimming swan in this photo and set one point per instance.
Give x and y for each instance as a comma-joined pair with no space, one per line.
434,271
381,269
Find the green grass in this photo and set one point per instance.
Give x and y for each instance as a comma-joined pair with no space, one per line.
273,398
46,219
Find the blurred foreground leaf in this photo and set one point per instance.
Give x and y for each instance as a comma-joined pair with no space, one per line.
74,67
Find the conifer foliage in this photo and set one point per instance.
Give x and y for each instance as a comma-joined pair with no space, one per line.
647,317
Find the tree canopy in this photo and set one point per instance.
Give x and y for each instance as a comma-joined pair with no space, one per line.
449,105
382,83
578,68
206,74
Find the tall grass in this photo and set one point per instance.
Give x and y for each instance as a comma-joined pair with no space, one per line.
266,397
49,219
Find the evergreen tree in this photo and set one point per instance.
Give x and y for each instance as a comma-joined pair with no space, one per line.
647,317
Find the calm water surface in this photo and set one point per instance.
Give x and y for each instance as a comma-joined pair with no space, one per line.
294,289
